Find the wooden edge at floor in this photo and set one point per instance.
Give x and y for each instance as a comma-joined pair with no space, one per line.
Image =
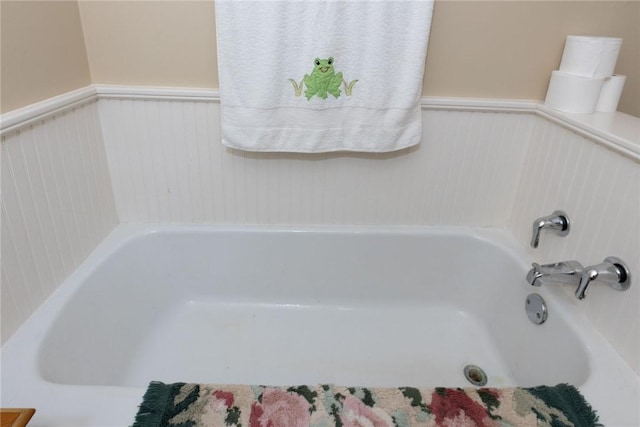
15,417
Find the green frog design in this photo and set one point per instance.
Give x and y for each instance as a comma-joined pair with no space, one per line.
323,81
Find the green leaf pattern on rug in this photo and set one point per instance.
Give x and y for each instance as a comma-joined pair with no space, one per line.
233,417
548,416
332,403
364,394
491,401
188,405
305,392
416,398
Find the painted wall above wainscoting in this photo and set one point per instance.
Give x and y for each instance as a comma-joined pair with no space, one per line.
481,163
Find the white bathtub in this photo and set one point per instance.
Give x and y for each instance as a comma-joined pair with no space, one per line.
370,307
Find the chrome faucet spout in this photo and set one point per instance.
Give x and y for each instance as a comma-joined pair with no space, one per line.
568,272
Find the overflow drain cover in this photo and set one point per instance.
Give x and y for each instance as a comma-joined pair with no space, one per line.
536,309
475,375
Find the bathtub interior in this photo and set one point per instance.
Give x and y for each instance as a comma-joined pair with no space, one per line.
385,308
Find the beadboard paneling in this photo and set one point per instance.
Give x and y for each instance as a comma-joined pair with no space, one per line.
168,165
600,191
57,205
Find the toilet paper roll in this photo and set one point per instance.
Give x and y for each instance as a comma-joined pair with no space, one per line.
590,56
573,94
610,94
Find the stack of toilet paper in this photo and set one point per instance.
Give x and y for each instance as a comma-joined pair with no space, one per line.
585,81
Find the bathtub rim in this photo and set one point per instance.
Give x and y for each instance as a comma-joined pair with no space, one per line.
608,370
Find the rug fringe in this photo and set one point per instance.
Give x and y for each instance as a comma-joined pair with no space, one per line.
154,403
568,398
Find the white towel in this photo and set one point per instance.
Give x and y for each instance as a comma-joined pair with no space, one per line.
321,75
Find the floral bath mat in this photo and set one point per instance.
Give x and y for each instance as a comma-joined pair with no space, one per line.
196,405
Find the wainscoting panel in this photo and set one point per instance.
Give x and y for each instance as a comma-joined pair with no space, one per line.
57,205
600,191
168,165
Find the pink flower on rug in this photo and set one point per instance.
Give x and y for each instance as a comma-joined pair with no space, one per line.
280,408
357,414
459,409
256,414
222,400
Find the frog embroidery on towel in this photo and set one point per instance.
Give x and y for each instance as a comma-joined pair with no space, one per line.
323,81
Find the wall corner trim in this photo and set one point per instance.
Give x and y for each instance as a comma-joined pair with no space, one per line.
616,131
16,119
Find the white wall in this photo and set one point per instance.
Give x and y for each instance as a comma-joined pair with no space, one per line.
57,205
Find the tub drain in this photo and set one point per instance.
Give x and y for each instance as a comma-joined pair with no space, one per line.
475,375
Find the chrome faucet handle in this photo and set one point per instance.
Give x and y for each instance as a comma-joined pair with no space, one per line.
558,222
613,271
534,274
